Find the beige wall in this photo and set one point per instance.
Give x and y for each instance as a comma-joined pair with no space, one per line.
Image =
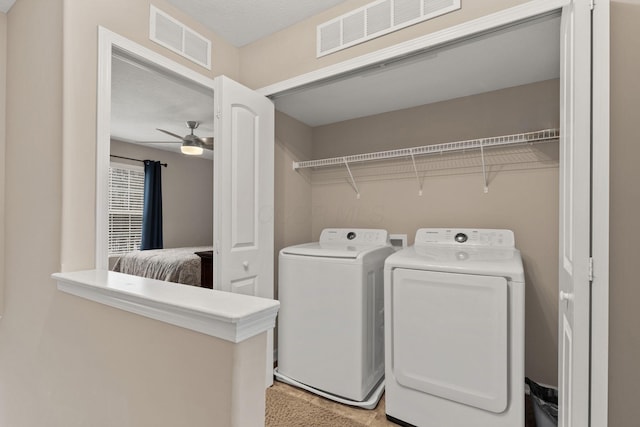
187,194
65,361
130,19
87,367
495,113
523,188
3,96
624,289
292,189
292,51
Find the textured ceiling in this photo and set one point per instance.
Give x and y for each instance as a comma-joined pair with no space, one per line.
5,5
244,21
143,99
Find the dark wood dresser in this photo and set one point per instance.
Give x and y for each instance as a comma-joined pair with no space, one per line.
206,268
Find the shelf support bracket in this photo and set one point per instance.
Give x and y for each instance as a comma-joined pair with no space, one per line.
353,181
415,169
484,169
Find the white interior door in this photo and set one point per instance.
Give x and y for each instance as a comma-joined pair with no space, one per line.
243,195
575,215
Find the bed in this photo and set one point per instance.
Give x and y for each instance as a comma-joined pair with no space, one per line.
179,265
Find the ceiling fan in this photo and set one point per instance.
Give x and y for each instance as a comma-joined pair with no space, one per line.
192,145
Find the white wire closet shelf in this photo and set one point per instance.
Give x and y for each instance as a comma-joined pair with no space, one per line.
480,143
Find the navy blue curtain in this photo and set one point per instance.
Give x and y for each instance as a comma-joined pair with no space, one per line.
152,210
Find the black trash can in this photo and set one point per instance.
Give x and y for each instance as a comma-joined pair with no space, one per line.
545,404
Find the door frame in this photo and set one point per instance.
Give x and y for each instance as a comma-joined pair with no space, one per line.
108,41
600,155
600,131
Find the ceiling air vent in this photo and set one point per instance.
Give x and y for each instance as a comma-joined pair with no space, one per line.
406,10
376,19
330,36
174,35
352,27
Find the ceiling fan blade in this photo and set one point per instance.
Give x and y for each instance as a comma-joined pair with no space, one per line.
206,141
170,133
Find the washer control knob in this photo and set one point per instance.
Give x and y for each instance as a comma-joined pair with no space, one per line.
461,238
351,235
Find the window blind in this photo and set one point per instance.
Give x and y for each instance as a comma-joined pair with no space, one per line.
126,199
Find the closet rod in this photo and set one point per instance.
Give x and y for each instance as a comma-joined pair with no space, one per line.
135,160
520,138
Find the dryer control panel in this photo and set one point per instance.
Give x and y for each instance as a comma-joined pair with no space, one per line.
465,237
356,236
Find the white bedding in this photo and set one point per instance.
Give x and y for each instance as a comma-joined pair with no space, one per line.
179,265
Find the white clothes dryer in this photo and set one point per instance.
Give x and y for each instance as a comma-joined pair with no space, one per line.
454,330
331,323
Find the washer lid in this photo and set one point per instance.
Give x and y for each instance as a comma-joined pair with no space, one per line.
330,250
347,243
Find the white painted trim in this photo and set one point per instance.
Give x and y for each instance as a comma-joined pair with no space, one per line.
107,42
103,147
600,216
225,315
448,35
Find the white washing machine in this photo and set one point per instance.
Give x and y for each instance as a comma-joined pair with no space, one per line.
454,330
331,322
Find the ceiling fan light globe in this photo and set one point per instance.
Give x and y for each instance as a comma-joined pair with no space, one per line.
191,150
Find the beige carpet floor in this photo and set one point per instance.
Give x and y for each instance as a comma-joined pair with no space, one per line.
286,409
288,406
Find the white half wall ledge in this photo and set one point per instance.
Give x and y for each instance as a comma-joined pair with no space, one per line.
225,315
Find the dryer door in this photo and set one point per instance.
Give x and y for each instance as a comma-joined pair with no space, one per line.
450,336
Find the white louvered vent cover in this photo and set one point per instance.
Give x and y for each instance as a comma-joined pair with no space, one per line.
376,19
174,35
